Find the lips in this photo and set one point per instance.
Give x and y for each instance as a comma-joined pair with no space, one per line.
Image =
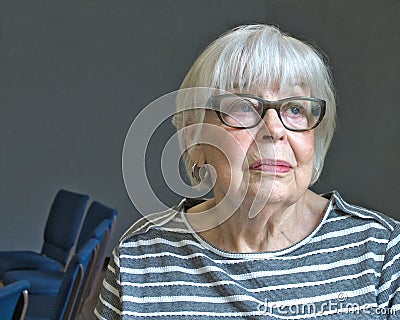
271,165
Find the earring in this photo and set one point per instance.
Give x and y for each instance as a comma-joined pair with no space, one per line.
197,175
315,175
196,172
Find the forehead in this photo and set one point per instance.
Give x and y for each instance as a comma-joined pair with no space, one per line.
297,89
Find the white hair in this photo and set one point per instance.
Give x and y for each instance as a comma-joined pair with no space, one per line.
261,56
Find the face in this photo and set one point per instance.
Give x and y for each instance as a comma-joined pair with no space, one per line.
264,163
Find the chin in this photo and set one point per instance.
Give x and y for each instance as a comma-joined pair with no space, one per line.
256,191
271,192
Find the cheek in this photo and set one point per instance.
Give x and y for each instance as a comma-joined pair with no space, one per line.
226,149
303,148
237,150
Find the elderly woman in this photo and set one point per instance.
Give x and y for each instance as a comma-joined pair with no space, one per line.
264,246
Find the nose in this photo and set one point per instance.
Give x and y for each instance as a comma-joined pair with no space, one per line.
271,127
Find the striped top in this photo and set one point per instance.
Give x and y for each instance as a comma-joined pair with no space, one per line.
349,264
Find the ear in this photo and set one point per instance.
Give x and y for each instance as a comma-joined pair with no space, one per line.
197,155
195,150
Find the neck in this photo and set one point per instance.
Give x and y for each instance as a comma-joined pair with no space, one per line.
275,227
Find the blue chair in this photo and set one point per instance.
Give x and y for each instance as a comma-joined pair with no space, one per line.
99,222
95,216
14,300
52,294
102,233
60,236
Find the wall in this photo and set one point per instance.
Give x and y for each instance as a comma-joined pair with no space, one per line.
74,74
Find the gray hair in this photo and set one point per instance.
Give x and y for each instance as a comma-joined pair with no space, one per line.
261,56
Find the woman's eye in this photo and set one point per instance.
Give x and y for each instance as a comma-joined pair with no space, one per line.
294,109
243,108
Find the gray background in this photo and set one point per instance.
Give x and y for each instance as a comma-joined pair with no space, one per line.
73,75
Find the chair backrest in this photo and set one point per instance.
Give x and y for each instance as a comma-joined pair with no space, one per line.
99,222
96,213
63,225
14,300
104,237
72,280
102,233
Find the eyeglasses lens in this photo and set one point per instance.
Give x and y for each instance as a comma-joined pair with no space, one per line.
244,112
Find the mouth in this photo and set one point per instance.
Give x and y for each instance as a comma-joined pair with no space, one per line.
271,165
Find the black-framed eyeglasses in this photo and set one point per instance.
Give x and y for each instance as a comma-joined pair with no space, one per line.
245,111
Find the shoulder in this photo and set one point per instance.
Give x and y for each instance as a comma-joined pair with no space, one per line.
168,221
361,214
